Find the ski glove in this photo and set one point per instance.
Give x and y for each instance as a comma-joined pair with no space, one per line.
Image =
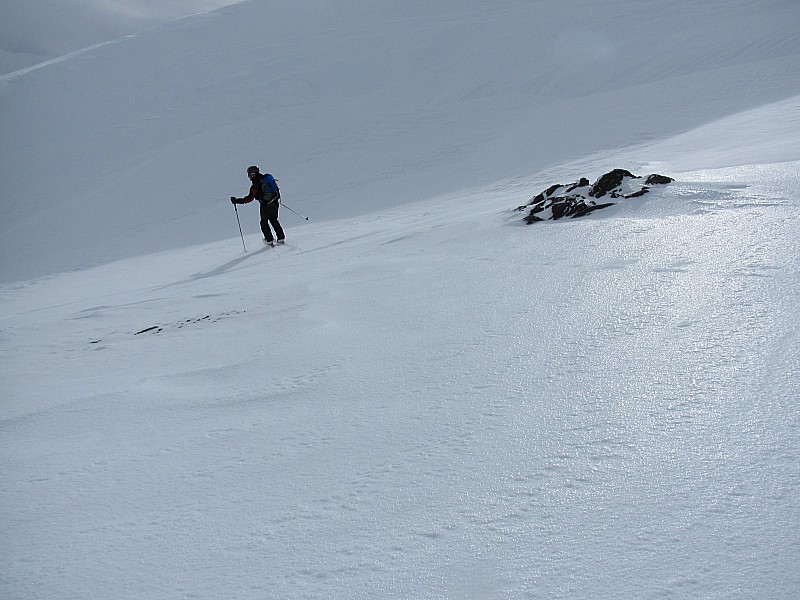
233,200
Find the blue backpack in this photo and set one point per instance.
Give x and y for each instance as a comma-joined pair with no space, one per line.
269,186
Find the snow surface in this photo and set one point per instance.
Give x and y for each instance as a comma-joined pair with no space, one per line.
35,33
426,399
357,107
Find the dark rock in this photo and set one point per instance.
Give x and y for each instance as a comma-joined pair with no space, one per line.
583,182
609,182
641,192
658,179
577,199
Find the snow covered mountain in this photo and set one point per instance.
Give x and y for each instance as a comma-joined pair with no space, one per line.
135,146
420,396
33,33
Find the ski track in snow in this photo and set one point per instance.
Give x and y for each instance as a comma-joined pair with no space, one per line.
387,408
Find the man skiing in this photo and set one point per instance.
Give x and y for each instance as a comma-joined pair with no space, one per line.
264,189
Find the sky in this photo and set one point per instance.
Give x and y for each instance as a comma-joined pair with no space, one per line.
418,396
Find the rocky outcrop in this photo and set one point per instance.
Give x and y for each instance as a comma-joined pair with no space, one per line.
580,198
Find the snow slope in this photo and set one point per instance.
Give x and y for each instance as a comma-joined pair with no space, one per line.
32,33
431,401
426,399
356,107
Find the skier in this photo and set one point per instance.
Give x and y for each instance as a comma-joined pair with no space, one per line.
264,190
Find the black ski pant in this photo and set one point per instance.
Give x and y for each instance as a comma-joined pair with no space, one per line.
269,216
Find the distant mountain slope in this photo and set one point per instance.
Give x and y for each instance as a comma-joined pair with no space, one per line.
135,146
40,31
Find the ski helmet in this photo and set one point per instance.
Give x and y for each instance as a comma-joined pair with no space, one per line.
251,170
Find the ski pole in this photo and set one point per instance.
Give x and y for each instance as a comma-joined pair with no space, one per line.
240,227
294,211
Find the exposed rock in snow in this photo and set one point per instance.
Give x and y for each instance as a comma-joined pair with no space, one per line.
578,199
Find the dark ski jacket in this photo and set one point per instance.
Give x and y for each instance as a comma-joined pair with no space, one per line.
257,193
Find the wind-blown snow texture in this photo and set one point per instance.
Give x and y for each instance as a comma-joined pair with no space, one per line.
427,399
